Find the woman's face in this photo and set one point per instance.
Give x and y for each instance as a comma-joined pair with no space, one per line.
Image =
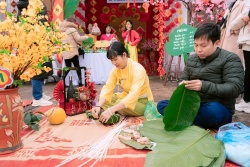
108,30
90,26
128,26
120,61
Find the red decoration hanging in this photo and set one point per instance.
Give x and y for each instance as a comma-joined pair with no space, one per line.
177,5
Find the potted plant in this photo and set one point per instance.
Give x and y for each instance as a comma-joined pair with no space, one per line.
24,47
151,46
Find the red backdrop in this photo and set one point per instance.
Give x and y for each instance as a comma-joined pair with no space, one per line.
114,14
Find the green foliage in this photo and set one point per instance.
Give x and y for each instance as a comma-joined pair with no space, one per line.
87,42
70,7
18,83
33,120
3,51
182,109
190,147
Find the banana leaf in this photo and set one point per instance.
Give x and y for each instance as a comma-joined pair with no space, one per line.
135,144
182,109
70,7
190,147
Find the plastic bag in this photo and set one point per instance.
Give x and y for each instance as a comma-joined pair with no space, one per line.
151,112
236,138
95,29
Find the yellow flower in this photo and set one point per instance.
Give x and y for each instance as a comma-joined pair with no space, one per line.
47,69
26,45
3,5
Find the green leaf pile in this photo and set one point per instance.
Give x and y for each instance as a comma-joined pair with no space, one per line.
182,109
190,147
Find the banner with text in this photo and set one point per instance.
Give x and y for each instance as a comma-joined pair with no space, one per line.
181,41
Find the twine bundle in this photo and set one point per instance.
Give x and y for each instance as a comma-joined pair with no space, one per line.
97,150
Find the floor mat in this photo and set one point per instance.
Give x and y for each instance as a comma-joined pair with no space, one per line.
27,103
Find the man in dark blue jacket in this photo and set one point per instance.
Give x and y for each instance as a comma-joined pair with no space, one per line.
216,74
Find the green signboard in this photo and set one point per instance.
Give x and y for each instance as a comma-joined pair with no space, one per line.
181,41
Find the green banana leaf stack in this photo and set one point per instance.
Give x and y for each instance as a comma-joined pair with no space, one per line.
182,109
178,143
191,147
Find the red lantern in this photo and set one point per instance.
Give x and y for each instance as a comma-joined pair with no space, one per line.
173,10
176,20
205,1
177,5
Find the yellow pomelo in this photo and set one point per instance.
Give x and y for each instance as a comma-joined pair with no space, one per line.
56,115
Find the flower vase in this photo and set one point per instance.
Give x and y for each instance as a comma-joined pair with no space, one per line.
11,120
152,56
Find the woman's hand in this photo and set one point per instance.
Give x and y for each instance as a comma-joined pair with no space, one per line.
104,117
95,110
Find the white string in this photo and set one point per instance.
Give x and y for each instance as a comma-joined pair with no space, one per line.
99,149
77,154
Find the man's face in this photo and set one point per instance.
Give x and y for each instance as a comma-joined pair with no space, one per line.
204,47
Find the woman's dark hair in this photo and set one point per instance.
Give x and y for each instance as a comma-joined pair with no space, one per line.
208,30
87,30
116,49
104,30
130,21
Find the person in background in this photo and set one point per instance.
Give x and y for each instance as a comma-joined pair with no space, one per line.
242,24
229,37
216,74
39,98
93,34
74,39
107,34
131,39
132,78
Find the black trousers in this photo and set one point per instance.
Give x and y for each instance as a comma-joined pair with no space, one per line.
75,62
247,76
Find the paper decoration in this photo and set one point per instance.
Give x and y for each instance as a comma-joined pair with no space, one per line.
5,78
57,14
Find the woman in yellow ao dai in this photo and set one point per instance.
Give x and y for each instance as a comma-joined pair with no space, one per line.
131,78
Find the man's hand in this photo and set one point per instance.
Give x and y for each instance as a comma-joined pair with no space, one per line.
193,85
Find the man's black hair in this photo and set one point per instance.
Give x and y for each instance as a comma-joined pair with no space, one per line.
208,30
